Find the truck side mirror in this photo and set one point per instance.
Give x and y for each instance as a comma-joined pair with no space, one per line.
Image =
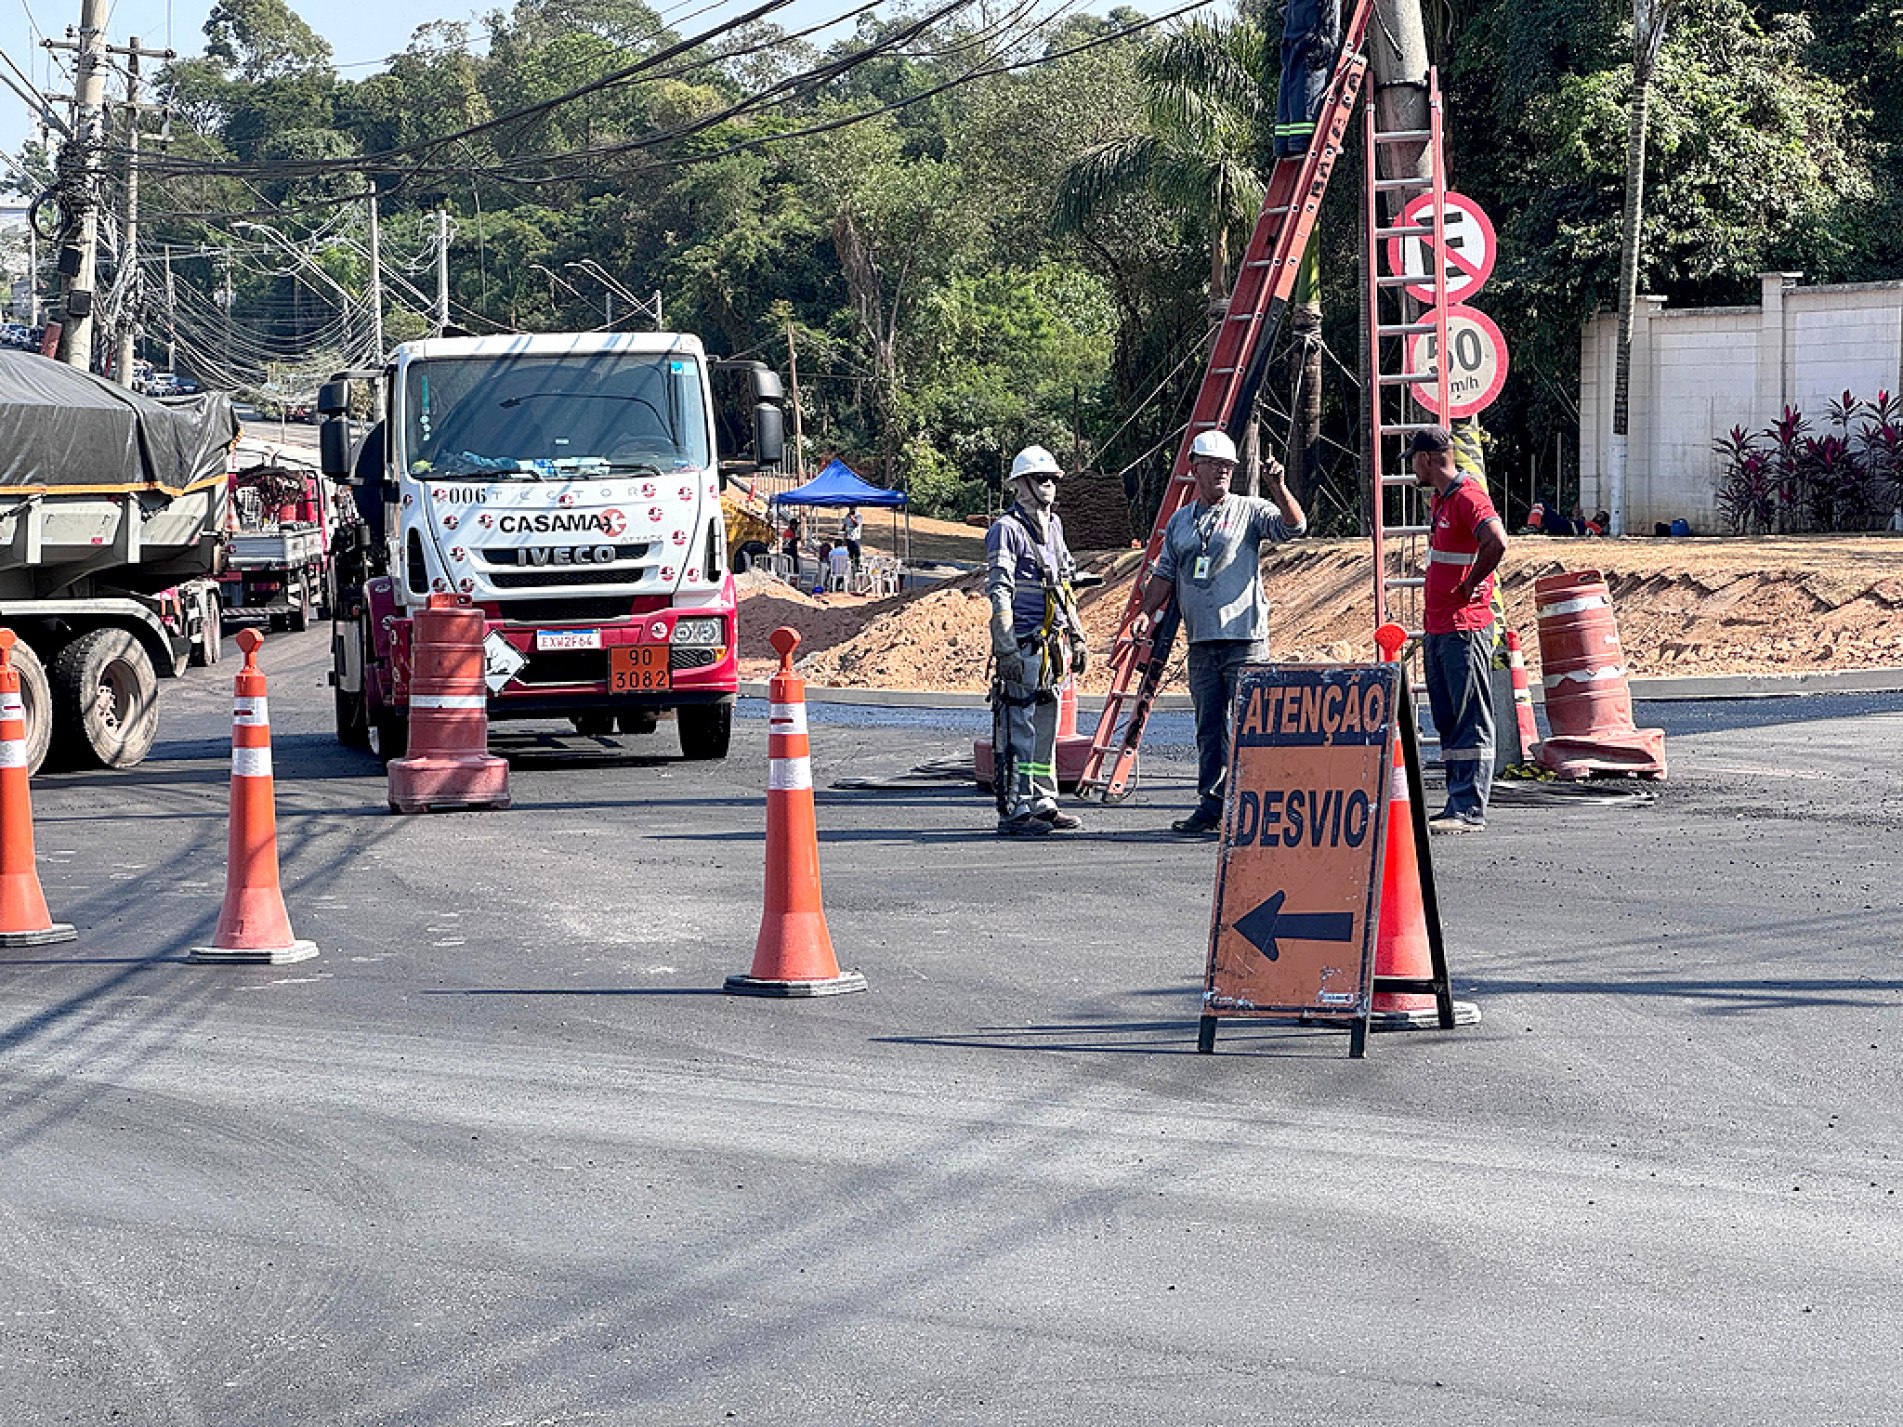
333,398
333,449
769,434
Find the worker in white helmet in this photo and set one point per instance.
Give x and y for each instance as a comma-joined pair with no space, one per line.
1211,566
1037,641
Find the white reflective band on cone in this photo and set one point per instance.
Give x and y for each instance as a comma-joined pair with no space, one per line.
448,701
786,775
1548,611
251,762
1397,784
13,753
786,718
1585,676
12,706
251,711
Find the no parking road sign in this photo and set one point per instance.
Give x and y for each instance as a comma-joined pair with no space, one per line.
1478,369
1298,887
1469,243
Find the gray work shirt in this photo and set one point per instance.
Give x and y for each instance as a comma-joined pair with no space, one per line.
1015,564
1225,601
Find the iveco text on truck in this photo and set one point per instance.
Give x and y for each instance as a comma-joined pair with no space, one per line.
568,485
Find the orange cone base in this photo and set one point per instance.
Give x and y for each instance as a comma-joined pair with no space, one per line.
45,936
254,955
435,785
840,985
1639,752
1394,1012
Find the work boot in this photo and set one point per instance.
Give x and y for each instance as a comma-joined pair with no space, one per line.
1026,826
1451,821
1196,825
1060,821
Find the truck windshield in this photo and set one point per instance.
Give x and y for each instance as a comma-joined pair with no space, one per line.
537,416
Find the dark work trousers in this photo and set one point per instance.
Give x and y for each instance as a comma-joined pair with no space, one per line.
1311,36
1460,693
1214,666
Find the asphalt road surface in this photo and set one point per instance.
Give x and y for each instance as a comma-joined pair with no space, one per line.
504,1154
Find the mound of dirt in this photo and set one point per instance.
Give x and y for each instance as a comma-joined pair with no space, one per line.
1770,606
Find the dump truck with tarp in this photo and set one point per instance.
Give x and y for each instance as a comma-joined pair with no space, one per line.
111,510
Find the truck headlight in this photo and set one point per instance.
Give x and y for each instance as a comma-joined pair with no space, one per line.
703,633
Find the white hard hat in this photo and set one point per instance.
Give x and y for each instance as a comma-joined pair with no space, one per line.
1215,444
1035,461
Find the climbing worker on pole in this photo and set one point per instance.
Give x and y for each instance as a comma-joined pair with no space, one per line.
1037,641
1464,544
1311,42
1211,565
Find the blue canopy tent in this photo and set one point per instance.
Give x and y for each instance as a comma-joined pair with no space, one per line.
838,486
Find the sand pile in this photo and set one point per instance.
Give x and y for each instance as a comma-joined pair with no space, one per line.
1780,606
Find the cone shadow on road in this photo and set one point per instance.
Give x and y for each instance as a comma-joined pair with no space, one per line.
1129,1038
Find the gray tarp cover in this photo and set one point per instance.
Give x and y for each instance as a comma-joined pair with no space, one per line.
61,428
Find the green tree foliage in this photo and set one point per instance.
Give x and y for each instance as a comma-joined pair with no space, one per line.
968,257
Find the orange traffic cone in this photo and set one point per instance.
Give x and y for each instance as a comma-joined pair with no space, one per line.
1401,947
253,926
1522,698
794,953
24,919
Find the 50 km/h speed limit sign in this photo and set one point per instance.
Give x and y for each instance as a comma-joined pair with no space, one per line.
1470,248
1478,369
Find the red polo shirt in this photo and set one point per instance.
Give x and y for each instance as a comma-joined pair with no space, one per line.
1452,547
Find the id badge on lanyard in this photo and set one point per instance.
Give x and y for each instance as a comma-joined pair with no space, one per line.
1201,572
1205,531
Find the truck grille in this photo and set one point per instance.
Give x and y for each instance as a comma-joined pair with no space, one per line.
595,609
503,557
546,577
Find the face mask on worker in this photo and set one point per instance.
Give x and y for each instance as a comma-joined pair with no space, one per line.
1037,492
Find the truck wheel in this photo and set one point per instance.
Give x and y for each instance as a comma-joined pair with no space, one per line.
353,723
36,695
593,725
299,619
639,722
706,730
105,700
389,734
211,629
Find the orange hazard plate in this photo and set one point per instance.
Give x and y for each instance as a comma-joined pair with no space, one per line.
637,668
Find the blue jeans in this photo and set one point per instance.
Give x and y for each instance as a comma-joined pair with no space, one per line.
1460,693
1214,667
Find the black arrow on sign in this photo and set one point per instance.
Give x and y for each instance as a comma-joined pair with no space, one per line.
1268,922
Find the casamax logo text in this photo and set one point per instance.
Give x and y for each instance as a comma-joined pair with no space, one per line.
547,522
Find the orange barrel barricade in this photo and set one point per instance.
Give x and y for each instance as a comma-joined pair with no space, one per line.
1588,705
1522,697
448,764
1401,946
793,955
24,919
253,926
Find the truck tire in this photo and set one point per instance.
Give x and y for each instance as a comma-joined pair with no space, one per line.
353,724
299,619
36,695
211,629
389,734
639,722
593,725
105,701
706,730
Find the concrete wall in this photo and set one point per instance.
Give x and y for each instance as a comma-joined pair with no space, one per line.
1697,373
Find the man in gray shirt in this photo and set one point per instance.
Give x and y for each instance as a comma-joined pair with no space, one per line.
1211,566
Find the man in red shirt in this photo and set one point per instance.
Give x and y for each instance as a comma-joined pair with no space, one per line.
1465,542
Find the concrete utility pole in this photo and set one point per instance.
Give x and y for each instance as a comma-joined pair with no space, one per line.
793,373
123,358
442,271
376,277
79,160
171,315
